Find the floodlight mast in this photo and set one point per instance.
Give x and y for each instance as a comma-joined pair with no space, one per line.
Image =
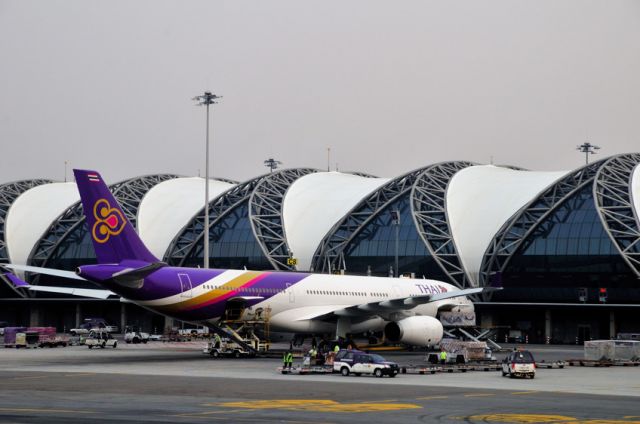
587,148
272,164
206,99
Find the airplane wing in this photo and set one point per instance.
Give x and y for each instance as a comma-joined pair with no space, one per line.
373,308
17,283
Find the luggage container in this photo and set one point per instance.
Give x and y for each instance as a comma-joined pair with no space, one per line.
10,335
612,350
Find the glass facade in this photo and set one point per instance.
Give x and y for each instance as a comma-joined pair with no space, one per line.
569,250
374,247
75,250
232,245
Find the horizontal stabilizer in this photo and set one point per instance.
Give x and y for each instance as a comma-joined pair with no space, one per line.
47,271
133,277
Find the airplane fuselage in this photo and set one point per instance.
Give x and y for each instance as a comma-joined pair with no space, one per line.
291,300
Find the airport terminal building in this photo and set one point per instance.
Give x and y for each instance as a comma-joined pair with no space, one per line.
564,245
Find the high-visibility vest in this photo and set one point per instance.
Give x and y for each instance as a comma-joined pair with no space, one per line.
443,356
336,349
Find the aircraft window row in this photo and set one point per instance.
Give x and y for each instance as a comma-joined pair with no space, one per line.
335,293
247,289
341,293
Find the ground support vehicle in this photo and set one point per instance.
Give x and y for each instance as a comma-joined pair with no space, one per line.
432,368
551,365
226,349
134,335
519,363
601,363
100,339
302,370
55,341
90,324
359,363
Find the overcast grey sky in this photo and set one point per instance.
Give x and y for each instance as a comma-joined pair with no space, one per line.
389,86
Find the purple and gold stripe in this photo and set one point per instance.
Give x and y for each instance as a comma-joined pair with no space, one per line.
224,292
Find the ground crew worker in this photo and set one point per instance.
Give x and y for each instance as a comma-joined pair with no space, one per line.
443,357
287,360
336,349
217,341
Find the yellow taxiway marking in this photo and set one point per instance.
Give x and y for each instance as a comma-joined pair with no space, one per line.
479,395
525,393
30,378
319,405
432,397
47,411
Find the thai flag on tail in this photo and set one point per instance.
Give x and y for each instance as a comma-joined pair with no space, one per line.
95,178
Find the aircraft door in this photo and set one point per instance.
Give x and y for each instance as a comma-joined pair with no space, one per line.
397,293
292,296
185,285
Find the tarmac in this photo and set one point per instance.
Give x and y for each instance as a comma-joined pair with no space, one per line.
175,382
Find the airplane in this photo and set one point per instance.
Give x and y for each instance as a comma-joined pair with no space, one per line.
298,302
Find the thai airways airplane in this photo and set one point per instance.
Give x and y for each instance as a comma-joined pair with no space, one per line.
296,302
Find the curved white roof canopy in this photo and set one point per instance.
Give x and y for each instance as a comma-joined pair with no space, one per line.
635,190
32,213
169,206
314,203
480,199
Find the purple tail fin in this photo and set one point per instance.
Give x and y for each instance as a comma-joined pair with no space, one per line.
113,236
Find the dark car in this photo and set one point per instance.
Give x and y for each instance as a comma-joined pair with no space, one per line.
358,363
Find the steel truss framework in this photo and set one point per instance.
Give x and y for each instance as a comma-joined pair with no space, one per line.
329,255
523,223
265,214
185,243
614,202
429,210
9,192
70,228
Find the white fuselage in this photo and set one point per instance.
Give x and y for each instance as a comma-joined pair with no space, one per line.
298,307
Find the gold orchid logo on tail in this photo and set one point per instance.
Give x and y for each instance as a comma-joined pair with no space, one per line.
109,221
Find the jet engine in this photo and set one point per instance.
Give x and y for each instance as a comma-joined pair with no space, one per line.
415,331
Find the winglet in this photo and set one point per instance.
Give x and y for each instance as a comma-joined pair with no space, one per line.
17,282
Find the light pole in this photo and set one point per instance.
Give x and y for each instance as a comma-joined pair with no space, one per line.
395,217
206,99
587,148
272,164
